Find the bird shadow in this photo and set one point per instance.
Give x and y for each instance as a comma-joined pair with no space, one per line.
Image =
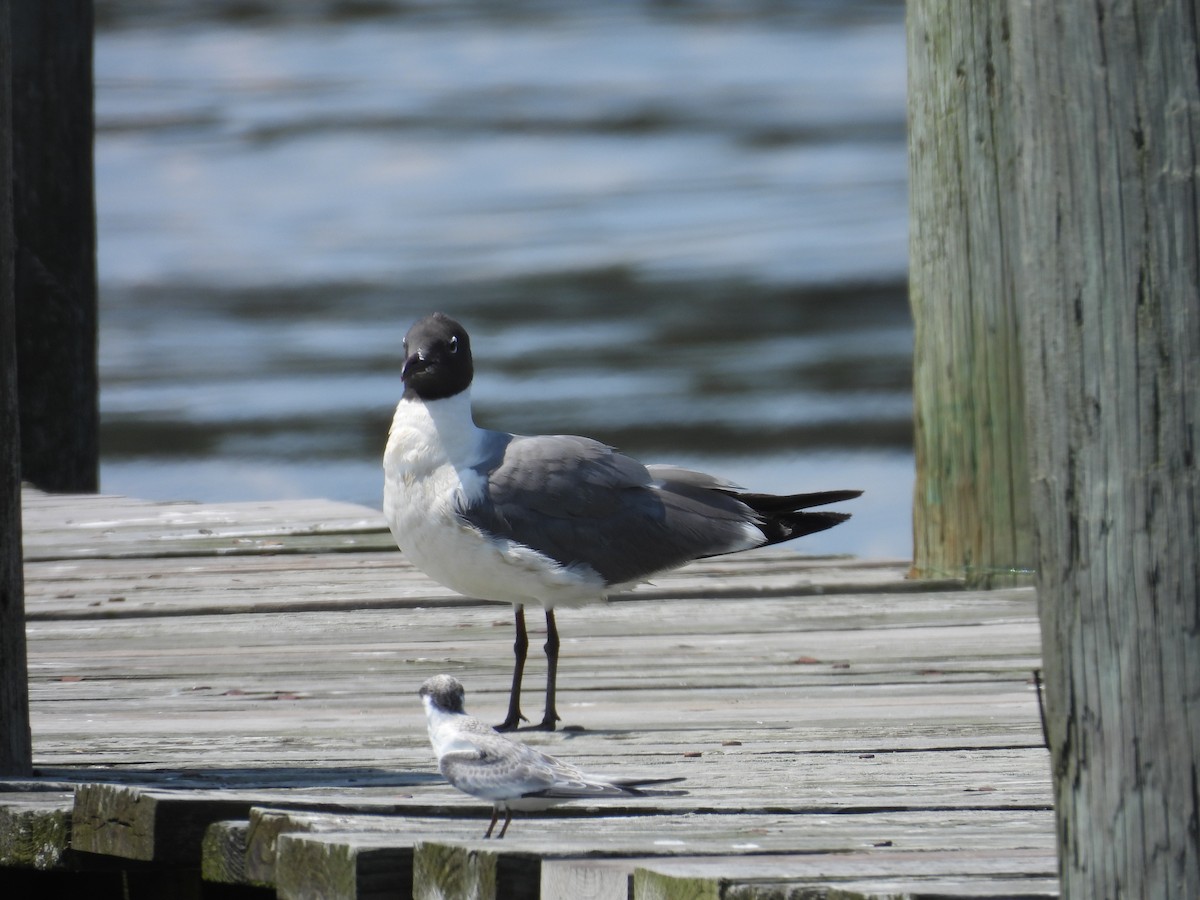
240,778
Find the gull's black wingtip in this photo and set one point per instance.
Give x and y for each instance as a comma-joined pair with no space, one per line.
825,497
790,503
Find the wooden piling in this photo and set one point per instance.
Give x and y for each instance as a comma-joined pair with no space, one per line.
55,229
15,742
1109,120
971,497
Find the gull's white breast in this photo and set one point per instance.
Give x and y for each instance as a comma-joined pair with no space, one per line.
428,479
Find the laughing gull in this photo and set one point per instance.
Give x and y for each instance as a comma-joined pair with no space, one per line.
478,760
554,519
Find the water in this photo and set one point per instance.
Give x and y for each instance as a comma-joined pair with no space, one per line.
680,228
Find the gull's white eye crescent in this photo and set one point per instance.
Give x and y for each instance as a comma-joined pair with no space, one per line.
453,343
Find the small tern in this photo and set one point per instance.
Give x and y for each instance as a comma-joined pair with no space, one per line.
478,760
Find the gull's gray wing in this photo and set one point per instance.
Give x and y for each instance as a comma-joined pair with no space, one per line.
581,502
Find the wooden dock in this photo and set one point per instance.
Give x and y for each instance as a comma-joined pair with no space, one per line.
223,703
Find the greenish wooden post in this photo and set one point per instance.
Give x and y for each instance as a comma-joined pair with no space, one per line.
15,743
971,500
1109,120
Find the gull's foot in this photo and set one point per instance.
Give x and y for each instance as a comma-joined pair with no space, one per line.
549,723
512,722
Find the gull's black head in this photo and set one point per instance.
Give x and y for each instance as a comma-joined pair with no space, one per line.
445,692
437,358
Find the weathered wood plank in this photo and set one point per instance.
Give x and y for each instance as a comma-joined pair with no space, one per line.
262,840
223,852
126,588
224,843
326,687
858,873
811,639
343,867
830,722
267,826
101,514
35,829
483,871
158,826
589,878
655,886
610,830
114,527
387,836
473,872
601,879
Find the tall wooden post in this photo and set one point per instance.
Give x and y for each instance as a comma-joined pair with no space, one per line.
15,747
56,243
1109,118
971,503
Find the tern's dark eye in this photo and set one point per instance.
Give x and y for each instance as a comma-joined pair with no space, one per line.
453,343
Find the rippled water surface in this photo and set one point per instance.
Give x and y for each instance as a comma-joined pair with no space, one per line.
680,228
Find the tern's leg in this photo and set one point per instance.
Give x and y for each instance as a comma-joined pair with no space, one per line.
495,815
550,719
520,651
504,827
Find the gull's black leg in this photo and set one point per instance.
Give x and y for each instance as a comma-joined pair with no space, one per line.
550,719
504,827
520,651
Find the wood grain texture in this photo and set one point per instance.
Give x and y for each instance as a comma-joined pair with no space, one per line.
473,872
971,497
650,885
879,874
223,853
163,827
1109,116
55,244
262,842
35,829
15,742
342,867
812,707
587,879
